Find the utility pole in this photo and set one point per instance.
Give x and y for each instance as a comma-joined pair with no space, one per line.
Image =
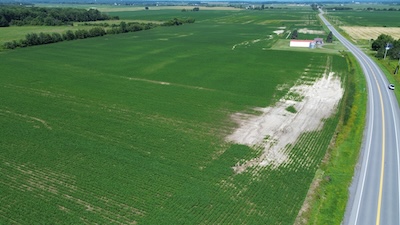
396,70
399,59
386,49
398,65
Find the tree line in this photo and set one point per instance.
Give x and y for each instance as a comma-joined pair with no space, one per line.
338,8
384,9
178,21
315,6
22,15
41,38
386,41
329,38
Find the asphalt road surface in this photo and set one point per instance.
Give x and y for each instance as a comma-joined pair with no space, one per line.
374,194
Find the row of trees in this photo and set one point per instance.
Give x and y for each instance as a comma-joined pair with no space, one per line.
367,9
338,8
384,9
178,21
329,38
195,9
315,6
129,27
386,41
32,39
123,27
21,15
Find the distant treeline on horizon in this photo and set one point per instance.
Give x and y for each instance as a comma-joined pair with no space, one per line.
191,2
20,16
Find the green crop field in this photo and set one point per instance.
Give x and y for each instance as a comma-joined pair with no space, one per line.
298,16
130,128
366,18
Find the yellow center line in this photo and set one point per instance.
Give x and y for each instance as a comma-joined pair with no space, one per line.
378,212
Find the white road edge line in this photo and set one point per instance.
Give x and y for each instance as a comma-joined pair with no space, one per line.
368,148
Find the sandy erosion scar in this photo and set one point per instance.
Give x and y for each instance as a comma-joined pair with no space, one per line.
276,127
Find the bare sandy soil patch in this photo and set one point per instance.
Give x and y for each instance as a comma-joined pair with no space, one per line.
368,33
276,127
247,43
307,31
278,32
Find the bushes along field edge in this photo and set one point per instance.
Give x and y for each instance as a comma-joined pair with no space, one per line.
32,39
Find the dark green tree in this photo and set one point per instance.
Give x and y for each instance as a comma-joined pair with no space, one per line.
381,41
9,45
123,27
394,51
4,22
56,37
32,39
44,39
81,34
329,38
294,34
97,31
69,35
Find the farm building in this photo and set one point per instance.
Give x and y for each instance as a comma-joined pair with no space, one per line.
302,43
306,43
319,41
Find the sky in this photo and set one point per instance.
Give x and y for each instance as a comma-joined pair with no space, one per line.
263,1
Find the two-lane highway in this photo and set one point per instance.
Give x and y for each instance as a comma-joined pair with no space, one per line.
374,194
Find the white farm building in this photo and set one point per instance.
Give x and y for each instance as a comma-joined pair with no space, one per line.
302,43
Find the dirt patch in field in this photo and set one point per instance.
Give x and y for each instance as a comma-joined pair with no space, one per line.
307,31
368,33
277,127
278,32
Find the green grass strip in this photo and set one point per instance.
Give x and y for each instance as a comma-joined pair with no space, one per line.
328,201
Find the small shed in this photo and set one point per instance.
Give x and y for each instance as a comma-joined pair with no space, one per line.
319,41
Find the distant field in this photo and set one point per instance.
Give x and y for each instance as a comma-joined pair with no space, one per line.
285,17
155,8
367,25
368,33
303,18
124,8
131,128
365,18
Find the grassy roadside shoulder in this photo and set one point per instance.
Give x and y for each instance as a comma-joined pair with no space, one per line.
328,194
388,67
